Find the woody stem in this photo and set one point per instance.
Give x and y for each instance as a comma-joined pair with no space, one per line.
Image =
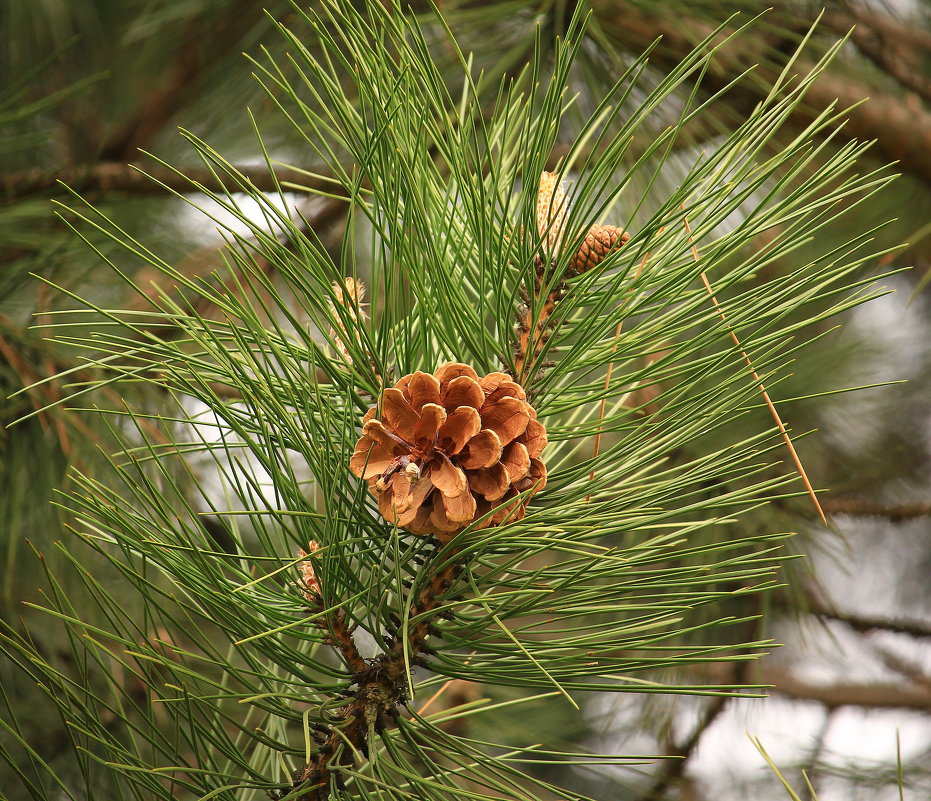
381,683
532,329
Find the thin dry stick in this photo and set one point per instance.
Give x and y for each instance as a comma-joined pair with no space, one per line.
601,408
759,382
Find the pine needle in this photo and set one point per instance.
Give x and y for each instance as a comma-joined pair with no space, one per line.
759,382
601,408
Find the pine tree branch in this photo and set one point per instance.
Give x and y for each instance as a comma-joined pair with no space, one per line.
679,754
902,130
155,180
341,638
206,41
868,623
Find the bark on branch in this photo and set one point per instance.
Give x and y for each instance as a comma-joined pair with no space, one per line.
155,180
381,684
860,508
902,130
875,695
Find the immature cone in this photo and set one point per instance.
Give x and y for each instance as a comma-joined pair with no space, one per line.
449,448
598,243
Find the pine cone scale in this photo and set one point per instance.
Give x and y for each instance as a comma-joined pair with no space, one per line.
483,450
432,418
464,391
422,389
371,459
508,418
516,460
491,482
459,428
398,414
447,478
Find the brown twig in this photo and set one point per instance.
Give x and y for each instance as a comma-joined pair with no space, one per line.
533,329
759,381
341,638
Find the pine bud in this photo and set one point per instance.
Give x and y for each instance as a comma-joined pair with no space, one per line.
310,587
350,297
551,211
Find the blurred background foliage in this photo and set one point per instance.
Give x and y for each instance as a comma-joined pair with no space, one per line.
88,89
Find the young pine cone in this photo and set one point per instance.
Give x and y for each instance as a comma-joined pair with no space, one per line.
598,243
449,448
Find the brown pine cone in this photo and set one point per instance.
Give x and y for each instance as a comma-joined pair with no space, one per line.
598,243
450,448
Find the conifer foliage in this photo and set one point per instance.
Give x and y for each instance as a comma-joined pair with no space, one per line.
562,448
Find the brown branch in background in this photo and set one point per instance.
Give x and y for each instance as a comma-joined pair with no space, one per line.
897,50
756,377
910,669
814,755
855,507
902,131
866,623
136,179
866,695
205,42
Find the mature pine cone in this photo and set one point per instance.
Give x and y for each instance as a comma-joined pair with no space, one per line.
449,448
598,243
